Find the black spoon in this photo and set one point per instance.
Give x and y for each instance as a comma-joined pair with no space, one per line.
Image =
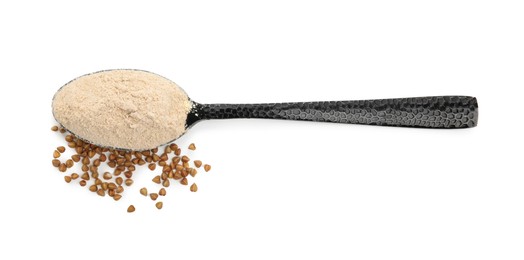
425,112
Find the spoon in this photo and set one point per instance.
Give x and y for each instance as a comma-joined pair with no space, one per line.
92,90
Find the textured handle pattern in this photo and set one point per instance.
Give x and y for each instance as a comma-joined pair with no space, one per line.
430,112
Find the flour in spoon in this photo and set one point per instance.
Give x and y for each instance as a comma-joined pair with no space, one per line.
128,109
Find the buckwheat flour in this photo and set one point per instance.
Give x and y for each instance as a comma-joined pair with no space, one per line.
129,109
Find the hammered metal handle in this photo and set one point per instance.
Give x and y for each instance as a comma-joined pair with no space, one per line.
428,112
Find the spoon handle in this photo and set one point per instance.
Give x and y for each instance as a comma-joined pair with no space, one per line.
427,112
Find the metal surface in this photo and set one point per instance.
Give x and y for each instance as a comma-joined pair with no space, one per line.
426,112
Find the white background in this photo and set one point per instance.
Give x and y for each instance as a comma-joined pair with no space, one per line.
277,190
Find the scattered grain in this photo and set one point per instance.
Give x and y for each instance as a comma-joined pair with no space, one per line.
56,162
153,196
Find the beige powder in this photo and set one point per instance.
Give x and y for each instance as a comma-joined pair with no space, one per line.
127,109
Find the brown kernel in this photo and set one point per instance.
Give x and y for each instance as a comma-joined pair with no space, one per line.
128,174
192,172
54,128
107,176
93,188
156,179
86,160
69,163
207,167
62,167
191,147
173,146
111,186
85,176
183,181
119,189
176,160
98,182
83,183
111,193
74,176
178,175
166,183
101,193
197,163
56,162
67,179
163,157
131,208
60,149
159,205
75,158
71,144
152,166
178,151
131,168
166,168
117,197
96,163
185,159
69,138
102,158
62,130
128,182
193,187
156,158
162,192
56,154
143,191
119,180
153,196
162,163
